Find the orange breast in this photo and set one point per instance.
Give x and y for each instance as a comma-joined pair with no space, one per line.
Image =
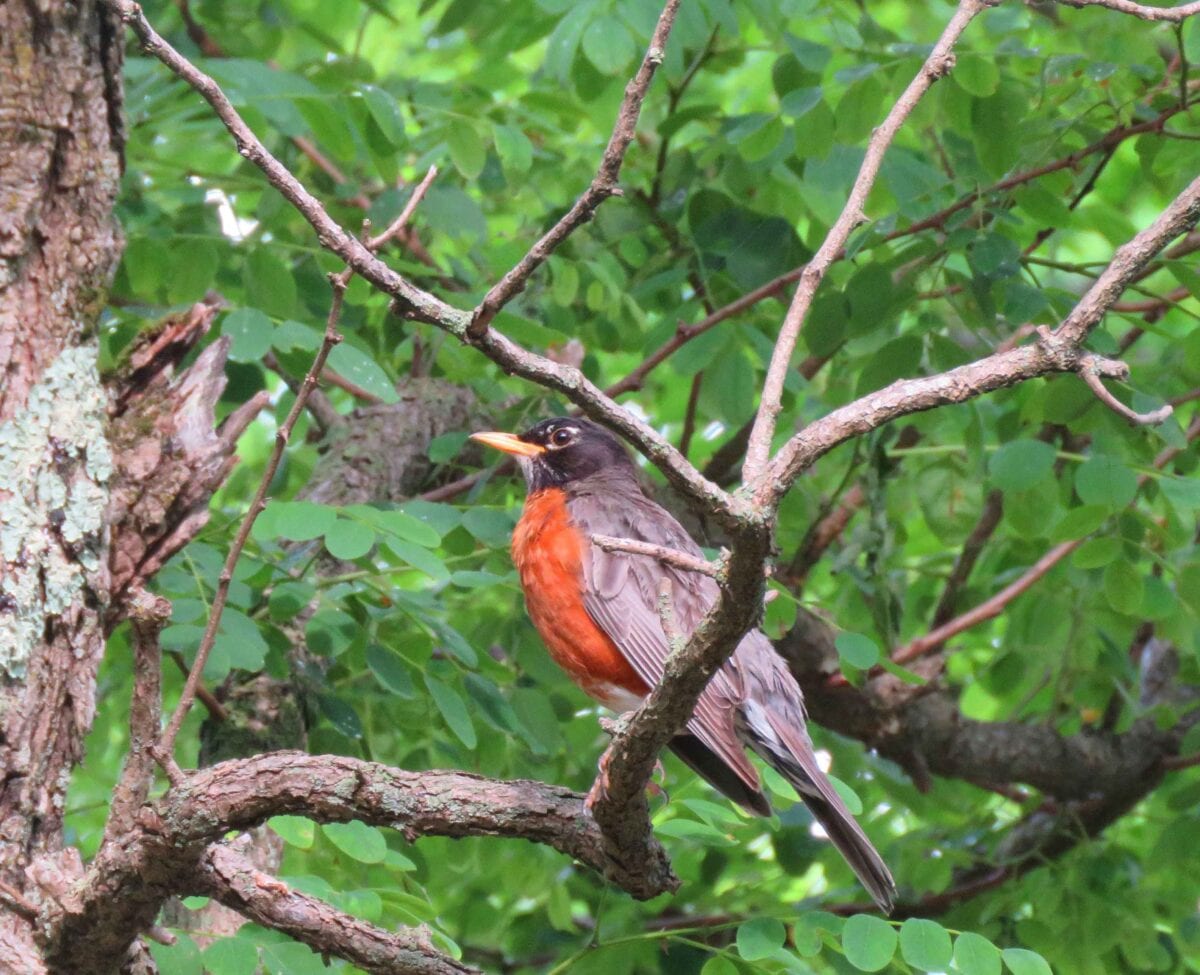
548,552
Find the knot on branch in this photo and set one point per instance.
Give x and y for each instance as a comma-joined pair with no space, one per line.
940,67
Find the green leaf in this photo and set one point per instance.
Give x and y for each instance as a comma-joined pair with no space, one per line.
607,44
269,283
446,447
1080,522
289,598
800,101
181,958
467,151
1019,465
1096,552
1183,493
330,632
390,670
1021,961
925,945
385,110
689,829
719,965
341,715
362,370
868,942
976,74
1105,480
240,640
975,955
347,539
294,830
760,938
406,525
857,649
849,796
1124,588
292,958
299,521
450,703
441,518
514,149
419,558
250,333
490,525
357,840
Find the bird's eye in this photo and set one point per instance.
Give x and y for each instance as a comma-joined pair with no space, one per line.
562,436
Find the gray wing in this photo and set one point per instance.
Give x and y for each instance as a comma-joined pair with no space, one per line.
621,595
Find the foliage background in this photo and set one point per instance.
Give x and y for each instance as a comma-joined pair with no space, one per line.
419,652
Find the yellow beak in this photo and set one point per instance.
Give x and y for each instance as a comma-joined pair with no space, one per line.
510,443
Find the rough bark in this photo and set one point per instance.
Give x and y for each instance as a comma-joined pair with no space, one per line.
60,165
922,729
168,458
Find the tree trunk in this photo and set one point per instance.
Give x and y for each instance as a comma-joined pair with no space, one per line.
60,167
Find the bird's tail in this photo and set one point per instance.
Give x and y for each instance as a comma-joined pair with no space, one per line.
785,746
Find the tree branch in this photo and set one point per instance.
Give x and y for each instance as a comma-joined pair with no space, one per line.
1057,351
617,799
234,880
603,185
668,556
148,614
1139,10
937,65
132,876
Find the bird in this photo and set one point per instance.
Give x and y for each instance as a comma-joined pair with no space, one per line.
598,613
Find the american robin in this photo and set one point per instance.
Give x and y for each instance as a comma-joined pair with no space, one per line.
598,614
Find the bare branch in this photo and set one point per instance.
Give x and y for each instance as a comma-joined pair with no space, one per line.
603,185
668,556
397,226
937,65
129,879
187,696
617,800
331,235
148,614
1139,10
1057,351
1089,374
992,607
414,303
989,519
989,608
236,882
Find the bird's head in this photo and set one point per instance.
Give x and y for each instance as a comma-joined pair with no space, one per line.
560,450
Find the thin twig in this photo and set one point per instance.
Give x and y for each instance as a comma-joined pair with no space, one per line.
320,408
398,225
989,519
992,607
668,556
332,235
166,743
1090,376
1139,10
216,710
937,65
989,608
603,185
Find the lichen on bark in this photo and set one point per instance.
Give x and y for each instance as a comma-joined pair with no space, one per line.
54,469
